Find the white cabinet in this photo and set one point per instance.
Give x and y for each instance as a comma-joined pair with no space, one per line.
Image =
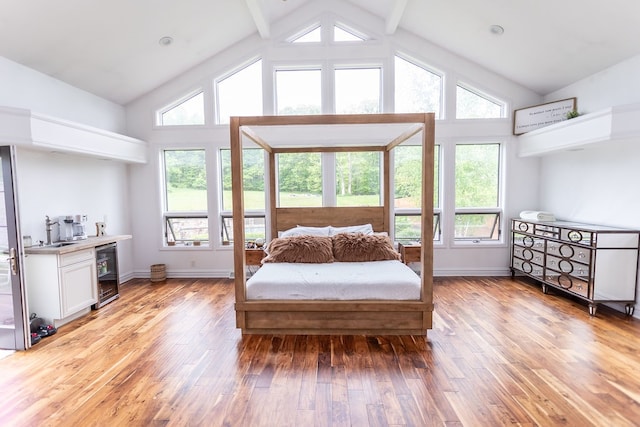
596,263
61,286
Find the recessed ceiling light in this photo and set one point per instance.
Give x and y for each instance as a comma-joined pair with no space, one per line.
165,41
496,29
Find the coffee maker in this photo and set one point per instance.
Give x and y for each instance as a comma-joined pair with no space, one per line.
65,225
79,227
72,227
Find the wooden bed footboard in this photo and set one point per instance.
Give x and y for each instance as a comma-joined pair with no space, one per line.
334,317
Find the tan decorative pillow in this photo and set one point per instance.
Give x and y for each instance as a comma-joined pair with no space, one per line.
303,249
356,247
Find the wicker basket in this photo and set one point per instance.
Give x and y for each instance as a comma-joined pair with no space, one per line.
158,272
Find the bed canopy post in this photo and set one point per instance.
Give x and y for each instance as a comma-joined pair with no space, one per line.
426,238
272,194
386,189
238,214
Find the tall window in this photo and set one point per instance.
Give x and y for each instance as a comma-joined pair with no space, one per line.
299,179
240,94
298,91
477,194
254,194
358,178
471,104
417,90
185,191
189,111
407,193
357,90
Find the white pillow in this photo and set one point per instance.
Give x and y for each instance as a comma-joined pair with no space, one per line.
301,230
364,229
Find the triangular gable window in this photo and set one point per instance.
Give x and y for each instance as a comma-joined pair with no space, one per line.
314,35
187,111
341,34
473,104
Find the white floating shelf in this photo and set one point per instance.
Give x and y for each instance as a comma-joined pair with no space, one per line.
614,124
41,132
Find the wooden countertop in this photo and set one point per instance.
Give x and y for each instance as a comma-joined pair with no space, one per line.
88,243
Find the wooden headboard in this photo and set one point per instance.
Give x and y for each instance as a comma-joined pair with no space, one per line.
286,218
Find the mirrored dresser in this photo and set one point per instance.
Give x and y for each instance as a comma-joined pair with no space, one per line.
598,264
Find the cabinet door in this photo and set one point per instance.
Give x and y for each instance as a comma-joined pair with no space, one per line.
78,286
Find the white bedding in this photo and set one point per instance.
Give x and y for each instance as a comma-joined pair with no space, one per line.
378,280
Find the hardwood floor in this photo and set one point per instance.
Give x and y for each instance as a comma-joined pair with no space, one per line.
500,353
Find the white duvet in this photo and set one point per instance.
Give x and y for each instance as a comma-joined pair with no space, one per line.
378,280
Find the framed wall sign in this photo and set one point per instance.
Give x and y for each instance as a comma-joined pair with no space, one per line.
531,118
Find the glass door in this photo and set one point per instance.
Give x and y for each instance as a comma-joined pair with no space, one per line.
13,316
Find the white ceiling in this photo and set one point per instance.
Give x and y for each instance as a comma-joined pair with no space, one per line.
111,49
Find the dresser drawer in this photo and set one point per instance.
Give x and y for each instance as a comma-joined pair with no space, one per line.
530,242
528,254
567,251
523,227
546,231
582,237
569,283
528,267
568,266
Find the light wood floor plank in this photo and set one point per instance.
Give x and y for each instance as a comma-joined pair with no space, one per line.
501,353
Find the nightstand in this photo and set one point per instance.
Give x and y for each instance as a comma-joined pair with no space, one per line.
253,256
410,252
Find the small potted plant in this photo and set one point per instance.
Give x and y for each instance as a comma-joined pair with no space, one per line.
572,114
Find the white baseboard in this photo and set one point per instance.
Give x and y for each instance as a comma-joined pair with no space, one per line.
191,273
443,272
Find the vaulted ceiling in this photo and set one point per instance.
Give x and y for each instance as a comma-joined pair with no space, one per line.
112,49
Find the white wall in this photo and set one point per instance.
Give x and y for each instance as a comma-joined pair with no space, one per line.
520,183
22,87
57,184
617,85
597,185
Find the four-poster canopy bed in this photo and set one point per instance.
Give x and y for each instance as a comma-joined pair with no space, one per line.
342,315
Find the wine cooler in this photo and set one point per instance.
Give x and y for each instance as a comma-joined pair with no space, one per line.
108,277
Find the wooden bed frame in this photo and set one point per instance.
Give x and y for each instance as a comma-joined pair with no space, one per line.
371,317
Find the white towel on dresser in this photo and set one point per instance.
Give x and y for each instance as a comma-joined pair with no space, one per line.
537,216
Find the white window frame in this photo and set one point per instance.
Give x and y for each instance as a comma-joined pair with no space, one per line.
225,215
504,111
168,215
176,103
430,69
216,81
498,210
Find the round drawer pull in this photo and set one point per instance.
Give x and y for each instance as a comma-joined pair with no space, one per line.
575,236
